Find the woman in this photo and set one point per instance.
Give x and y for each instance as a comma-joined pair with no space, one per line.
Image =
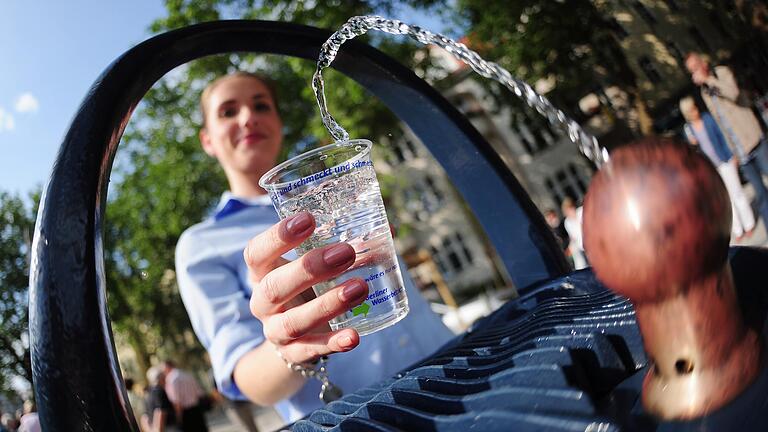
252,309
702,130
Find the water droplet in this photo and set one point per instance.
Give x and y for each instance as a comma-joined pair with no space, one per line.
323,157
358,147
144,275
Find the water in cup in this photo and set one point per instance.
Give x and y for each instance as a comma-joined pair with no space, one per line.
337,185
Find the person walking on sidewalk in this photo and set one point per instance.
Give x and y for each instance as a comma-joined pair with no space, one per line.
733,113
702,130
184,393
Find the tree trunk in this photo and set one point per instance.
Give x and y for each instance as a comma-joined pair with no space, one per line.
135,340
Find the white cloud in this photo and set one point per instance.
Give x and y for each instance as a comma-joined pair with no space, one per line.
6,121
26,103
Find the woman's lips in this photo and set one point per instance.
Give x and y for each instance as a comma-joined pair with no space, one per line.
253,138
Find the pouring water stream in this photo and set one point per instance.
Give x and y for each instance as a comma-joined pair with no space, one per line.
359,25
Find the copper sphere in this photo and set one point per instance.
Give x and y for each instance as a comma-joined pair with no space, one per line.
656,217
657,222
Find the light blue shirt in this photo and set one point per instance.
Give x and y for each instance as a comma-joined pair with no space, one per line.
213,282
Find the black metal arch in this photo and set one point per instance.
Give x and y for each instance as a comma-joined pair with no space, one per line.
77,378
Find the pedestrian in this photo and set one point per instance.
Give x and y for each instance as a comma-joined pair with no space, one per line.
558,228
257,341
29,422
572,225
733,113
185,395
702,130
159,415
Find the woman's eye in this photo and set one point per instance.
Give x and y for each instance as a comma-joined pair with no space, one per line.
228,112
262,107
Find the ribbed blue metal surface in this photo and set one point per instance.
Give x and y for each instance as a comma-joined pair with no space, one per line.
534,364
566,356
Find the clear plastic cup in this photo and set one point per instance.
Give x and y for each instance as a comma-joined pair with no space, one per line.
337,185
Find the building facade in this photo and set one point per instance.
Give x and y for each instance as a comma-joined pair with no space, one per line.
656,35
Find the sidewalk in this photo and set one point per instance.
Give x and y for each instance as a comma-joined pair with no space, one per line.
266,420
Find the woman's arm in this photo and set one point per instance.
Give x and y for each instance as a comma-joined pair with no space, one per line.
217,308
264,378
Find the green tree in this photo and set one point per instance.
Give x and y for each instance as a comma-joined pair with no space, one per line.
165,183
17,221
568,42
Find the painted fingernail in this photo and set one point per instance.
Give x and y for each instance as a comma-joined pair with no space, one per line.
299,223
345,342
353,289
338,255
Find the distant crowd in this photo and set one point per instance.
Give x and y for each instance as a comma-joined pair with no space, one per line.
173,400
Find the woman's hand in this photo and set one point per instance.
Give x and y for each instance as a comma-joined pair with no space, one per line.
294,322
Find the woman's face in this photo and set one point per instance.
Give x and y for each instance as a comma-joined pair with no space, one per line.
242,129
693,114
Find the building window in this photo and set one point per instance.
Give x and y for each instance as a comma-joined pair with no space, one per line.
527,144
411,147
433,189
698,38
643,11
649,69
438,260
430,195
397,153
566,183
423,198
464,248
534,131
579,180
449,251
452,256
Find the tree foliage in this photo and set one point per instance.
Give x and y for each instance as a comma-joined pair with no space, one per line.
535,39
568,42
17,221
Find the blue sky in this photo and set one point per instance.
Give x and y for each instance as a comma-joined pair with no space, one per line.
50,54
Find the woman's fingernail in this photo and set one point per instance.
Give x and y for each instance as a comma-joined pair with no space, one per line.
338,255
345,342
299,223
353,289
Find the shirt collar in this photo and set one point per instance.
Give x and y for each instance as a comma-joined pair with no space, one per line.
230,204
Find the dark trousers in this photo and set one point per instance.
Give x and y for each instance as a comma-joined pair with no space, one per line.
754,169
193,420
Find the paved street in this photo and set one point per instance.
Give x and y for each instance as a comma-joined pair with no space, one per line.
266,420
